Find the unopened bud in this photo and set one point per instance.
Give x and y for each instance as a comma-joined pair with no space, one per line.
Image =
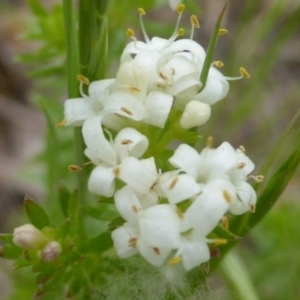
28,237
195,114
51,251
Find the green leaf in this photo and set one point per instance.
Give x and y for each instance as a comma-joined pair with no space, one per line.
64,197
7,237
37,8
211,49
36,214
98,244
10,251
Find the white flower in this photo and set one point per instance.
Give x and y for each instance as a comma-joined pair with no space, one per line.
153,232
51,251
223,166
28,237
172,67
174,3
119,160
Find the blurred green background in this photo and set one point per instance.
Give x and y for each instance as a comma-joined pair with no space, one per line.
263,37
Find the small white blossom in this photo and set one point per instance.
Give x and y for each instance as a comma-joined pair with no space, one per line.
51,251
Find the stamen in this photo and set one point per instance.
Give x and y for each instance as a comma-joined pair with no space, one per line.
225,222
195,24
83,79
61,123
156,250
227,196
180,10
142,13
173,183
209,142
180,32
74,168
175,260
117,171
252,208
258,178
244,73
130,33
218,64
242,148
127,111
219,242
222,31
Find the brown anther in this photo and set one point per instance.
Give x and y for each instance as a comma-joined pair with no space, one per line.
173,71
252,208
132,242
117,171
209,142
156,250
164,77
126,142
227,196
135,209
74,168
173,183
241,165
127,111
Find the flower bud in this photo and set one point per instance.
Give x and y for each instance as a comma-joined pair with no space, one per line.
28,237
51,251
195,113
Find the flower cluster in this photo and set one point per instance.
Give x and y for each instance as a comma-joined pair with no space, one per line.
156,77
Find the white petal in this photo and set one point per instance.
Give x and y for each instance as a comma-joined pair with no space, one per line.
195,114
194,253
133,48
99,90
154,255
102,181
245,164
160,226
174,3
158,106
76,111
208,208
135,174
114,121
130,142
125,104
216,88
121,237
180,187
246,198
148,200
127,204
94,139
186,158
186,87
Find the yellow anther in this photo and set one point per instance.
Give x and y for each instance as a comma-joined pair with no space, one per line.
175,260
258,178
209,142
130,33
180,8
222,31
74,168
225,222
142,11
244,73
227,196
219,242
180,32
242,148
83,79
194,21
218,64
61,123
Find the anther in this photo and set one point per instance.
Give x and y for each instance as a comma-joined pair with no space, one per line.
218,64
252,208
227,196
127,111
83,79
241,165
222,31
126,142
156,250
242,148
173,183
132,242
74,168
142,11
117,171
180,32
258,178
180,8
194,21
61,123
244,73
219,242
209,142
130,33
225,222
179,213
175,260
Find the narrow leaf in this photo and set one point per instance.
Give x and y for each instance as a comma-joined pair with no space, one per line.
98,244
36,214
211,48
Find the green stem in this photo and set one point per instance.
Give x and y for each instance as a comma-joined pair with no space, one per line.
236,273
72,72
